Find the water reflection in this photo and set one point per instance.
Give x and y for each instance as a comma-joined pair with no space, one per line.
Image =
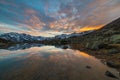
20,46
50,63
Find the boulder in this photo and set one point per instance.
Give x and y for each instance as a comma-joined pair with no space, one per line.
109,74
65,47
88,67
112,64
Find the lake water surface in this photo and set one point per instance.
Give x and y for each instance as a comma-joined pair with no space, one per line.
50,63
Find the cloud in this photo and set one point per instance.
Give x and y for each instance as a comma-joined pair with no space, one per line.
40,17
98,13
35,23
88,28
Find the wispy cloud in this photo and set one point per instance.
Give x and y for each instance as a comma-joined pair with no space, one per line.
41,17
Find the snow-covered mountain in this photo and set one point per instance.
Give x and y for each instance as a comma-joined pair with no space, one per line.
17,37
21,46
65,36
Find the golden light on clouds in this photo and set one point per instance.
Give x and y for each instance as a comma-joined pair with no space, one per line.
88,28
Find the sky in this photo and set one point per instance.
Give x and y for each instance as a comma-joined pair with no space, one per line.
54,17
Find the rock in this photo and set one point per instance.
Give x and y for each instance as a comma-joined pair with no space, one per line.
111,64
92,45
109,74
89,67
115,38
113,51
65,47
95,45
63,42
102,45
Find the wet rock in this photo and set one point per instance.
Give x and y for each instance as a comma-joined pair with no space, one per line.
88,67
64,47
109,74
103,61
112,64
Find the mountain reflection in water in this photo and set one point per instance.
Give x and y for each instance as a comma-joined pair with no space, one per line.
50,63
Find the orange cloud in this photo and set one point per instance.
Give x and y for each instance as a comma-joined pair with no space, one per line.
64,24
35,23
88,28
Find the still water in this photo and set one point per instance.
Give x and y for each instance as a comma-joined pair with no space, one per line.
50,63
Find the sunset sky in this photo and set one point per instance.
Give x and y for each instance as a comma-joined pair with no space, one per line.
54,17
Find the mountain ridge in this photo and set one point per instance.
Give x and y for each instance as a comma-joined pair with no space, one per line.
108,34
25,38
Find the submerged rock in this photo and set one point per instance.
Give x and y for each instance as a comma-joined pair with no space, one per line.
109,74
89,67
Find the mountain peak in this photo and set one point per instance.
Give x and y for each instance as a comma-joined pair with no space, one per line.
20,37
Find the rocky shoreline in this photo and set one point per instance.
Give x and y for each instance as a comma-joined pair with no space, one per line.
110,57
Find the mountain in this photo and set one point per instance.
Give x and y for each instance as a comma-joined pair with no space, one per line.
18,38
66,36
20,46
103,44
4,41
109,34
25,38
114,25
